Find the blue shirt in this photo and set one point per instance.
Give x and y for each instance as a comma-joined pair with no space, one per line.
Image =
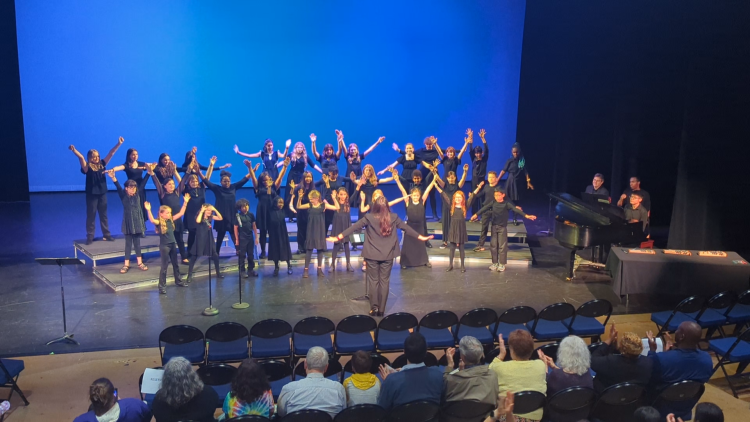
679,365
131,410
413,382
314,392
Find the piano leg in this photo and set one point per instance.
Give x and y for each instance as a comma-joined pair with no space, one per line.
571,264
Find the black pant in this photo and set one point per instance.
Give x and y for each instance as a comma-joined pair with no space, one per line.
191,240
135,241
378,282
336,248
246,250
308,257
94,204
276,264
194,258
220,239
486,219
301,230
462,253
499,244
432,195
178,229
478,202
329,220
263,235
168,254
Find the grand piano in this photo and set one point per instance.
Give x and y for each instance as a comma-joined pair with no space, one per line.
580,224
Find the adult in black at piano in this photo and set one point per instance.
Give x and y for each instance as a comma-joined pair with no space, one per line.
597,186
427,157
636,212
635,186
515,167
478,164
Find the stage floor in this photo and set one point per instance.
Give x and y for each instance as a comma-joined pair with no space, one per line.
31,314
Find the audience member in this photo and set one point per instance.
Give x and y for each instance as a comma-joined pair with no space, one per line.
504,409
315,391
645,414
251,392
520,374
708,412
362,387
628,366
182,395
681,360
106,407
414,381
572,368
472,381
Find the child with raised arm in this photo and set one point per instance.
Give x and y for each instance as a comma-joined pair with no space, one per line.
133,226
479,157
316,235
169,195
266,190
342,220
450,187
165,226
226,198
204,244
457,235
245,231
279,248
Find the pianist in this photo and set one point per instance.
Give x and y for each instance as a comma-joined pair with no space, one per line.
635,186
597,186
636,212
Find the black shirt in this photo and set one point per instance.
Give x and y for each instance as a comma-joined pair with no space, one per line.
167,237
225,197
479,172
613,369
244,223
488,192
200,408
377,246
96,181
646,198
601,191
499,212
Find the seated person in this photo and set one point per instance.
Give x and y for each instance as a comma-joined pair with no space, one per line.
315,391
635,186
414,381
472,381
106,407
572,368
646,414
636,212
708,412
597,186
250,394
680,361
183,395
362,387
521,373
627,366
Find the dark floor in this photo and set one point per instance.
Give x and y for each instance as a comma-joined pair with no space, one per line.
30,309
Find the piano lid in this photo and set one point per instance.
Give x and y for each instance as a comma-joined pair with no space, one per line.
588,214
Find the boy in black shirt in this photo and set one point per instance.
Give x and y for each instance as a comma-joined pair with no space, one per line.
486,195
498,215
245,232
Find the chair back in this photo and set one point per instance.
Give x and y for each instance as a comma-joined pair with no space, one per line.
438,320
333,370
307,416
518,315
429,360
248,418
548,350
742,299
689,305
362,413
681,391
271,328
465,410
571,404
314,326
478,318
527,401
226,331
618,402
722,300
275,369
400,321
180,334
356,324
594,346
377,360
557,312
216,374
594,309
416,411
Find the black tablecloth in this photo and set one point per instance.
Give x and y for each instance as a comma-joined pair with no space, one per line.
675,274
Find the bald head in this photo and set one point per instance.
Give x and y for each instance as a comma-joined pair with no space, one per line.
688,335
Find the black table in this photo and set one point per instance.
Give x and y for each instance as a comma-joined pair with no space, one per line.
675,274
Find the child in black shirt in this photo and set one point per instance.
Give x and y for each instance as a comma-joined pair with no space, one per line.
246,237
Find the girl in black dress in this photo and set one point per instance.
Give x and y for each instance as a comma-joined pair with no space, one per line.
329,158
342,220
302,191
266,190
415,251
480,156
93,168
409,162
194,187
450,187
204,244
169,196
272,160
166,169
133,226
299,162
450,159
165,226
134,170
226,199
515,167
316,235
279,248
457,235
191,165
354,159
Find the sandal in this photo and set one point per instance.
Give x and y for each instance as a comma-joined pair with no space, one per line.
124,269
142,266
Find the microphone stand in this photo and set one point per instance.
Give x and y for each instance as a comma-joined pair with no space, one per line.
210,311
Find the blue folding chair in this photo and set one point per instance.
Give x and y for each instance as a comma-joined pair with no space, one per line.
515,318
227,342
712,317
732,350
739,313
218,376
548,350
182,340
308,415
271,338
362,413
10,370
584,323
333,371
355,333
668,321
279,374
436,327
429,360
480,323
416,411
393,330
548,325
313,331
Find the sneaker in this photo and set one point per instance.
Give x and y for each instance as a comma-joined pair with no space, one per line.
500,268
478,249
443,246
493,267
89,240
109,238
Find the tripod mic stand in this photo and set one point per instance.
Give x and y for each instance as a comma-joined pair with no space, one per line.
66,338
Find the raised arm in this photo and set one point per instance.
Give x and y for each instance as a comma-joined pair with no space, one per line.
240,183
300,205
363,208
314,138
286,151
338,150
486,147
388,168
251,173
397,200
372,148
335,206
463,176
118,168
277,183
291,203
244,154
427,191
186,199
120,191
463,149
157,183
439,151
147,206
397,178
114,149
210,169
479,188
519,211
217,214
81,158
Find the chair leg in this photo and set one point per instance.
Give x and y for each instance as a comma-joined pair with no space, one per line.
14,387
729,380
741,368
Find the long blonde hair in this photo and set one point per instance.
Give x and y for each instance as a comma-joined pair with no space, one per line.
95,167
352,158
373,179
163,222
304,150
463,202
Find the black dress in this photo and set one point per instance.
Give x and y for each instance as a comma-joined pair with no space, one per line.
269,164
514,168
414,251
450,189
297,167
197,199
450,164
136,174
316,228
226,199
457,230
353,166
327,162
302,218
342,220
204,244
278,244
265,206
132,214
408,166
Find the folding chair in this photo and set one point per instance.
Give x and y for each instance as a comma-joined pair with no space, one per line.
393,330
732,350
668,321
355,333
480,323
307,416
549,349
570,405
527,402
182,340
416,411
584,322
679,398
227,342
271,338
548,324
310,332
515,318
219,376
465,410
739,313
10,370
362,413
618,402
279,374
436,328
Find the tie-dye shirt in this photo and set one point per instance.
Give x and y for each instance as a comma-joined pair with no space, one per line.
261,406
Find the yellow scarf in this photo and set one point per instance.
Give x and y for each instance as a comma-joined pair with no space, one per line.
362,381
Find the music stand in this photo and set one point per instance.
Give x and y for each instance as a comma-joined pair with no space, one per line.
66,338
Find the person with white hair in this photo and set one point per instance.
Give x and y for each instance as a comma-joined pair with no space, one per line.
315,391
572,368
471,381
182,395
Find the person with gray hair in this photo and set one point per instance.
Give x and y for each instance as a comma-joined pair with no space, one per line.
473,381
572,368
315,391
182,395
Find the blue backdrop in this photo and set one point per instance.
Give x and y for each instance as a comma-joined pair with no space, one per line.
170,75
